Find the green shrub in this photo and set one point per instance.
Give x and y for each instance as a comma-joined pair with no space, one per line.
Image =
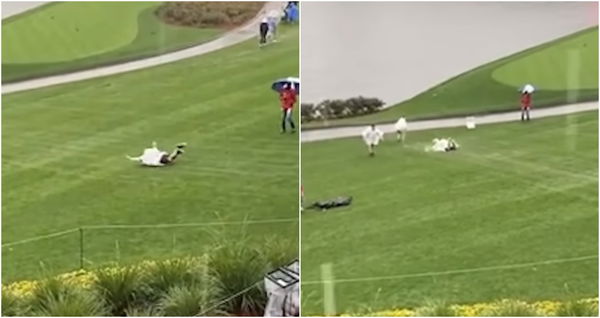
118,287
208,14
163,275
577,309
308,113
337,108
13,305
239,269
511,308
191,301
50,289
74,303
143,311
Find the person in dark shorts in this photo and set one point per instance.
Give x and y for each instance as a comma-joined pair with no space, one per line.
525,105
264,31
153,157
288,99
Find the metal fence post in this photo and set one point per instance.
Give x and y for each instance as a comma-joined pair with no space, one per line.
80,248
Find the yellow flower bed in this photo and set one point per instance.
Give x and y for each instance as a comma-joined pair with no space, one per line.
545,307
85,279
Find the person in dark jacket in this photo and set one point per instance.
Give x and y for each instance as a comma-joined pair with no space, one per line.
264,30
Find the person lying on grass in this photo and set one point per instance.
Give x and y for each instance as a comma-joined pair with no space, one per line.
329,204
153,157
442,145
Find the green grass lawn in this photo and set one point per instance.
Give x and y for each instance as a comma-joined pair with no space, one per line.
494,87
71,36
64,160
515,193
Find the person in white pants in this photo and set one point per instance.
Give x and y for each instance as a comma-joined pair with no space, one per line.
153,157
401,128
372,136
442,145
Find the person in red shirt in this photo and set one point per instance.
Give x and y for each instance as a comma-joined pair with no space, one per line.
288,99
525,105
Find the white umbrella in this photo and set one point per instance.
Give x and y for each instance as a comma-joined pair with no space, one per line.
528,89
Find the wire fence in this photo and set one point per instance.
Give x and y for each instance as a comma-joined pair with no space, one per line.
92,246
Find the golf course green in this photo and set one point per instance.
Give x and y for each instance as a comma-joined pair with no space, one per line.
64,164
563,71
512,214
71,36
568,64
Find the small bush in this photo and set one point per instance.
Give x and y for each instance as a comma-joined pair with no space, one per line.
191,301
333,109
162,275
51,289
143,311
74,303
577,309
208,14
118,287
511,308
239,267
13,305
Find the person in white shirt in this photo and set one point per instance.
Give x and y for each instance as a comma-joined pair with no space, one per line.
153,157
401,128
442,145
372,136
273,18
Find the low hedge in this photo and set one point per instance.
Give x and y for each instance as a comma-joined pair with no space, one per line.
338,108
206,285
208,14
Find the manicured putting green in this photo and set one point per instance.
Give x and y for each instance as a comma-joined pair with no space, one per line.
71,36
64,160
515,193
70,31
569,64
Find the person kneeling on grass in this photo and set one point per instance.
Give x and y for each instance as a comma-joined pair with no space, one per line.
442,145
372,136
153,157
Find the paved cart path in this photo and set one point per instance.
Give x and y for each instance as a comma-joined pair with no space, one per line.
343,132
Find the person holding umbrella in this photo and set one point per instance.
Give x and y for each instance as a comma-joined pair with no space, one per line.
526,101
288,89
287,96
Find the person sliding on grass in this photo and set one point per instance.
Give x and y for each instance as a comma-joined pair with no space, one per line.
443,145
401,128
153,157
372,136
287,96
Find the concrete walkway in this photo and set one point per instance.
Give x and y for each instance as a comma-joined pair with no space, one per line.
344,132
236,36
16,7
